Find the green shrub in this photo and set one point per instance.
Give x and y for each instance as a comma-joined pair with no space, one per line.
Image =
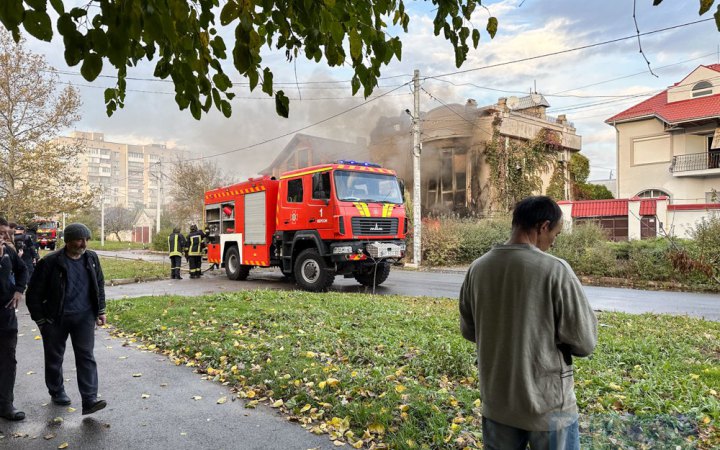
452,241
439,244
160,240
587,250
649,260
477,236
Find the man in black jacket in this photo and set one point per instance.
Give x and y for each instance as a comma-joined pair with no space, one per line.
66,297
13,279
25,247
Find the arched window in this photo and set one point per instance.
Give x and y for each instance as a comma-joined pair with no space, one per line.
653,193
702,88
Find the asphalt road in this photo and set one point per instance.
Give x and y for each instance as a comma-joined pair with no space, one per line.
434,284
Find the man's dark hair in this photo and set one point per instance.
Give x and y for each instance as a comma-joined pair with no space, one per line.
533,211
3,222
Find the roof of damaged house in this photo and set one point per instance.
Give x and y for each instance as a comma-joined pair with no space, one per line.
331,149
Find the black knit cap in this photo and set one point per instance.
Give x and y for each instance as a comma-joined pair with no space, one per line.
76,231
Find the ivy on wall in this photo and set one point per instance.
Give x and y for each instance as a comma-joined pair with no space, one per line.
516,166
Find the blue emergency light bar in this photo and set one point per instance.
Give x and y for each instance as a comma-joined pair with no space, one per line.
357,163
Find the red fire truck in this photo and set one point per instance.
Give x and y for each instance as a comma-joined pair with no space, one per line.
314,223
47,232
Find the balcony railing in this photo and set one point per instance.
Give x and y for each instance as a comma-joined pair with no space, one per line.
696,161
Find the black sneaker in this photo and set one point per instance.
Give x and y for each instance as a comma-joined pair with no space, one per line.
61,399
94,407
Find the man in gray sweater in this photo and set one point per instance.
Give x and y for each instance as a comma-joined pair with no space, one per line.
528,315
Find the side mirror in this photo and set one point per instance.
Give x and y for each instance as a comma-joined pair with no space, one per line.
401,182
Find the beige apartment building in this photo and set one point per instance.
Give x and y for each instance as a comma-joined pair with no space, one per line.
128,175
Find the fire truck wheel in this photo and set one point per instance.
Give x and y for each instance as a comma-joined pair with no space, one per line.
233,268
366,278
311,271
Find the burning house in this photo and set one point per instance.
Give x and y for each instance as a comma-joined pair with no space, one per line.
455,175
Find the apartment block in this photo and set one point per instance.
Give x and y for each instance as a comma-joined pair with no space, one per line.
128,175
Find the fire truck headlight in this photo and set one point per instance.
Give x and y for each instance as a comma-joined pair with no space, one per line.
342,250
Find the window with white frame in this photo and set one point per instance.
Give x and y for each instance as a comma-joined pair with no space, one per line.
652,193
702,89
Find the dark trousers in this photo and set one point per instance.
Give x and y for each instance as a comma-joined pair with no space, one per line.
8,368
175,262
497,436
81,329
195,262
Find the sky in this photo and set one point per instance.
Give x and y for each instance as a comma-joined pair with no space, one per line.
588,85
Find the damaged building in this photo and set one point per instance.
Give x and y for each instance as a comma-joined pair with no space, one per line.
455,175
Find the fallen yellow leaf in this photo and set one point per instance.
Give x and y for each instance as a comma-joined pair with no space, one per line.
332,382
71,409
277,404
37,338
137,375
196,397
305,408
706,420
63,445
145,396
250,394
399,388
221,400
30,373
358,444
376,428
338,443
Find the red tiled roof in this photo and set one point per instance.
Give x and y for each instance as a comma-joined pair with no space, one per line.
648,207
600,208
675,112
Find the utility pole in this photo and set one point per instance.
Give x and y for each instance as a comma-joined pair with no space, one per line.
417,195
102,220
157,206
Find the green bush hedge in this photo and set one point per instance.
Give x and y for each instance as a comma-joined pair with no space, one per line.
452,241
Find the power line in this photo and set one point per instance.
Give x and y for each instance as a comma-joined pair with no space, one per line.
560,52
257,144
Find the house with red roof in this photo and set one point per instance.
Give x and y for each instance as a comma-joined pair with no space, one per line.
669,146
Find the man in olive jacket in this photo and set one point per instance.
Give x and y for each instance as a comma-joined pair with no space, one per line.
66,297
528,316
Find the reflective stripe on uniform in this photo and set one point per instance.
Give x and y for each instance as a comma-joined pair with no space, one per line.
173,246
194,248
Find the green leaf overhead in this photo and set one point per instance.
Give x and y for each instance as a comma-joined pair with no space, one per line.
182,38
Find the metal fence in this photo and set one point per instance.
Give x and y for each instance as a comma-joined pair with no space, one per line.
696,161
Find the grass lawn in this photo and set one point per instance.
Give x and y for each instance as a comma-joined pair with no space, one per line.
378,371
117,268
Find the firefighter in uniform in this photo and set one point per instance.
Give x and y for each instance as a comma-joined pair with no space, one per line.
194,251
176,245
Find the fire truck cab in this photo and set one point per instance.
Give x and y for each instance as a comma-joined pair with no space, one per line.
314,223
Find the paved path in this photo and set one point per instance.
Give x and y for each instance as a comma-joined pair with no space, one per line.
168,419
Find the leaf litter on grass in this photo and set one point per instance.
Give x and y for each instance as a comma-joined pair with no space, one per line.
399,364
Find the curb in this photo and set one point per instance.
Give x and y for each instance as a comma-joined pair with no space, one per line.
121,281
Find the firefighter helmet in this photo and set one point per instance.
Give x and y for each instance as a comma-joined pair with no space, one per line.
176,230
193,227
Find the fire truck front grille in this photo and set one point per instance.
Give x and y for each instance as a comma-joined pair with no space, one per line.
374,226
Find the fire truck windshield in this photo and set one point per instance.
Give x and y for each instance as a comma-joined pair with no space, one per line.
367,187
46,225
